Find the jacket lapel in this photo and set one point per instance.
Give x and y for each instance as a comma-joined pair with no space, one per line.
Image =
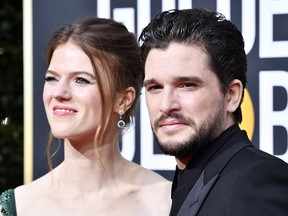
212,172
196,196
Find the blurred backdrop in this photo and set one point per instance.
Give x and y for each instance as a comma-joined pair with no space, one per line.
11,94
265,107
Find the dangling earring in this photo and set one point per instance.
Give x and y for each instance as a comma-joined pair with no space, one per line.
121,124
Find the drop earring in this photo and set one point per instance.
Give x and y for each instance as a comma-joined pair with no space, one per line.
121,123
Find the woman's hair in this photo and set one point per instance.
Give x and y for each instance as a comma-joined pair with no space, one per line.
115,57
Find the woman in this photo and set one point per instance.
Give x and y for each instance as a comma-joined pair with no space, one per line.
92,84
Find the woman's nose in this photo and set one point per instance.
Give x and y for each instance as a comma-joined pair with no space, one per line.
62,91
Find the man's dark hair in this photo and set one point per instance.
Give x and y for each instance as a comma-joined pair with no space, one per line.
218,37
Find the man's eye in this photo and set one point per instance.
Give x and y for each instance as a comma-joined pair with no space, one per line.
82,80
187,85
153,87
50,78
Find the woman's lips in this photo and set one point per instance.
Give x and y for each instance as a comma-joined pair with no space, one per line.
61,110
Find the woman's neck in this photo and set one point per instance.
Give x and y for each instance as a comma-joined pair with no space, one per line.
89,167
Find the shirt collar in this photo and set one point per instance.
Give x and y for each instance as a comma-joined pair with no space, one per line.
196,165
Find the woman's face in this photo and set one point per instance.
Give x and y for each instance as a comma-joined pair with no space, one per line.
71,95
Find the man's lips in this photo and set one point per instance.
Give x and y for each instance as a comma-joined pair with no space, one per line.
170,127
172,120
171,123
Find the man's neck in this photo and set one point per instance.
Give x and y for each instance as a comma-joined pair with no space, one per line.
182,162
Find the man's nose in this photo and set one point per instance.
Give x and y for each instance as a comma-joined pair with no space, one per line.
169,101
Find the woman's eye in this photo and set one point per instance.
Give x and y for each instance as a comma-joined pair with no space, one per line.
50,78
82,80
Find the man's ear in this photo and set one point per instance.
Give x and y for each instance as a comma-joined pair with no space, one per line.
234,95
125,100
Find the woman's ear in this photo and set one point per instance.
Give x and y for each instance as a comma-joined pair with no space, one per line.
234,95
125,99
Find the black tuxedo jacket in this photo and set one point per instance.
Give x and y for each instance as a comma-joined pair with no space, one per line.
239,180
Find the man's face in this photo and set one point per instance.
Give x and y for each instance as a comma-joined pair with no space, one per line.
185,103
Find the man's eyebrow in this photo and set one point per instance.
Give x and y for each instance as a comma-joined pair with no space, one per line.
188,78
175,79
149,82
182,78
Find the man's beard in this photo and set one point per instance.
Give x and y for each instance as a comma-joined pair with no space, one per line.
206,132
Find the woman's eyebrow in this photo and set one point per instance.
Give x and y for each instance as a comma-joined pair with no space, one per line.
74,73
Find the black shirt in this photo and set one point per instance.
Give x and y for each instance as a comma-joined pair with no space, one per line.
185,179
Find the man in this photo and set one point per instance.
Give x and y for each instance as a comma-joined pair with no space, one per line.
195,75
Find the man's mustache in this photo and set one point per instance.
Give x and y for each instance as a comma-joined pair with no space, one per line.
176,116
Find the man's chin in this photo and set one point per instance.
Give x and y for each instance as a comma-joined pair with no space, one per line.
177,149
177,153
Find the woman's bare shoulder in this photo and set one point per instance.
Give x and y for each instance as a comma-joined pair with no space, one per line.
35,186
156,193
31,194
153,186
145,176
